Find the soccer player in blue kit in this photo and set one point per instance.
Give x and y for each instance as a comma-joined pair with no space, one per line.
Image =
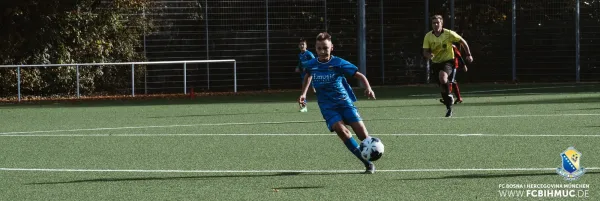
304,56
335,97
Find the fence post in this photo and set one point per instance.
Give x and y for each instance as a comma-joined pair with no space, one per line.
19,83
145,54
235,76
514,40
452,14
362,45
268,56
325,20
184,78
427,16
382,43
207,46
78,81
146,79
577,45
133,80
427,70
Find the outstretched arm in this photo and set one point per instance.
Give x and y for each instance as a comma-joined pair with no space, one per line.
462,63
368,91
305,85
426,48
299,67
427,53
463,43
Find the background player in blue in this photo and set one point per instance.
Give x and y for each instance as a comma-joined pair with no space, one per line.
335,97
304,56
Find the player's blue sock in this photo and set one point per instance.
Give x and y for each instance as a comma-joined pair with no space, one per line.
353,147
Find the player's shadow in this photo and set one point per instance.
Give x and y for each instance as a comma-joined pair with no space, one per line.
101,180
538,102
299,187
433,104
585,109
487,176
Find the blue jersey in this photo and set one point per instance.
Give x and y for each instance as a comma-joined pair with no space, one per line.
304,57
328,79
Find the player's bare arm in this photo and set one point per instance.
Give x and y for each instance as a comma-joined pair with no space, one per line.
307,80
368,91
463,43
427,53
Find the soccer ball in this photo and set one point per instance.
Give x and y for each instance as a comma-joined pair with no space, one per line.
371,148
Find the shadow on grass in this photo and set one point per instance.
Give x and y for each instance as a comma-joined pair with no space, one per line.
129,179
299,187
497,101
585,109
535,102
383,93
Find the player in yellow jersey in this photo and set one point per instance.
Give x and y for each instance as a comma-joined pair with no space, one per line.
437,46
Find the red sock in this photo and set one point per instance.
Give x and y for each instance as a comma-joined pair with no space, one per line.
456,90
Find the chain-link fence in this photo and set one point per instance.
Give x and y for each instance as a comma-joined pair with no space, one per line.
263,35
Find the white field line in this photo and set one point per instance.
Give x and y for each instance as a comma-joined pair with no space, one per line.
296,134
288,171
504,90
284,122
163,126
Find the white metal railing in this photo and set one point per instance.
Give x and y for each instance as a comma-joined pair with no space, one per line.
132,71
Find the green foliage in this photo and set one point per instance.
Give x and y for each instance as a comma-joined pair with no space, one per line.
70,31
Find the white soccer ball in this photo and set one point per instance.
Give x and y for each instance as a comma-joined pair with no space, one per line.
371,148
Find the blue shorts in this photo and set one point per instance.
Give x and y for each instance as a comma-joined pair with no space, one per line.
348,114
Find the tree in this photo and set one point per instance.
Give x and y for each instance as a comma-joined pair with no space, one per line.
70,31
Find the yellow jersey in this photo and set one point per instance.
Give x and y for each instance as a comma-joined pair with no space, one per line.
441,46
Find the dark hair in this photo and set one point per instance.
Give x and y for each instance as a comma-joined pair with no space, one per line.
323,36
437,17
302,40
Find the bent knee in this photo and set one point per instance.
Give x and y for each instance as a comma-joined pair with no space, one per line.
340,126
443,77
360,129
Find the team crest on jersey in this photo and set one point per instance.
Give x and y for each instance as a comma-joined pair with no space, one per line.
571,168
330,68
